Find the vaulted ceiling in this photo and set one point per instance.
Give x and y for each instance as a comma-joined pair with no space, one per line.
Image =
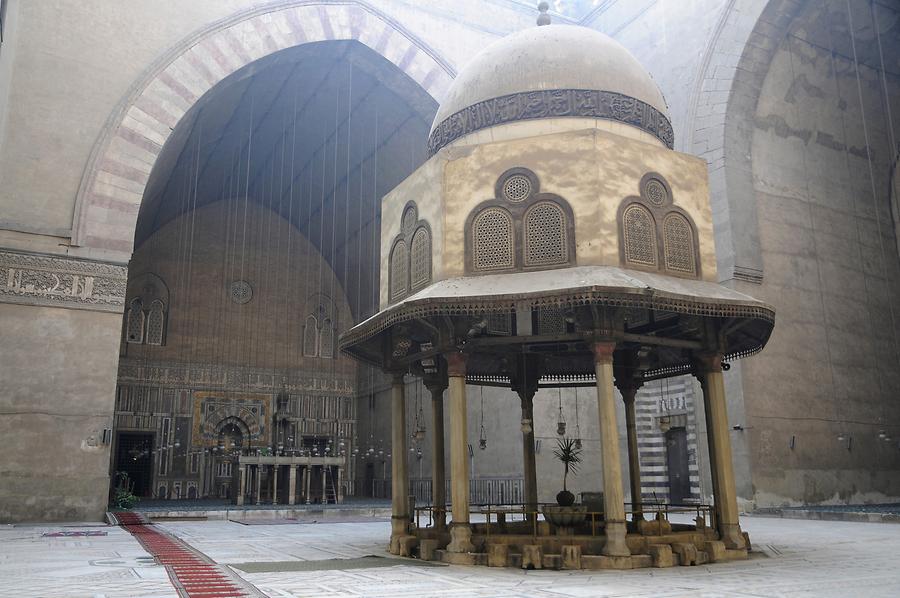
318,133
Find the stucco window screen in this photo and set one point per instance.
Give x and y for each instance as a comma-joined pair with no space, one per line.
517,188
639,232
410,216
399,275
156,323
326,340
134,323
678,237
551,320
311,337
420,259
493,240
545,235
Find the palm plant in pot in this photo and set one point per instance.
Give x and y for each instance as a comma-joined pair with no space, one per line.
569,454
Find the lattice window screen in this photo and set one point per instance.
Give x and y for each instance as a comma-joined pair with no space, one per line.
310,337
499,323
420,258
134,323
678,237
551,320
409,219
639,235
546,240
156,322
493,240
399,271
326,340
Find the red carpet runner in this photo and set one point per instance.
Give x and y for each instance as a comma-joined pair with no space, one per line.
192,574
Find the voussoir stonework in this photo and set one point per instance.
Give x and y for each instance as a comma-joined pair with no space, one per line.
34,279
113,186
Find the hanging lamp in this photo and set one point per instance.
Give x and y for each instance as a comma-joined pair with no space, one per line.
561,420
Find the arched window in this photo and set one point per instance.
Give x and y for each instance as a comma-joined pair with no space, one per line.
493,240
326,340
545,235
156,323
399,275
420,259
311,337
134,323
678,238
410,215
639,236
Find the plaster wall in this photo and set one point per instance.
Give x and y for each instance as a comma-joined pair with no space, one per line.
57,375
821,155
237,240
593,170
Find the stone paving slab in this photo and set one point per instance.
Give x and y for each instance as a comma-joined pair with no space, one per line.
792,559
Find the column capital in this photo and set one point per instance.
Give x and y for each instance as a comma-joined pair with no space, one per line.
629,390
397,376
707,362
603,351
456,363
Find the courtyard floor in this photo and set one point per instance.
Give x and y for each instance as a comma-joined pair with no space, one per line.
336,560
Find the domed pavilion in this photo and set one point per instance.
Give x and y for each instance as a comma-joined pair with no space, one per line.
554,238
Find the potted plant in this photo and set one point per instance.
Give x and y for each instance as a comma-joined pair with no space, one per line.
570,456
566,514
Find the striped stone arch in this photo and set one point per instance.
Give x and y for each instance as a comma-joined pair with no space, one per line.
112,186
231,412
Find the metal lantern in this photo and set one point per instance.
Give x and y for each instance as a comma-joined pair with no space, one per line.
561,428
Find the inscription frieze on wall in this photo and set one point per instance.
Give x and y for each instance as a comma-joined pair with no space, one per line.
179,375
552,103
34,279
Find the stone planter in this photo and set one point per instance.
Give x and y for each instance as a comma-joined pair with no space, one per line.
565,517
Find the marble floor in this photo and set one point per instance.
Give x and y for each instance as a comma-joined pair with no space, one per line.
793,558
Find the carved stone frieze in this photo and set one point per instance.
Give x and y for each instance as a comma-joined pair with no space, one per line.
38,279
179,375
552,103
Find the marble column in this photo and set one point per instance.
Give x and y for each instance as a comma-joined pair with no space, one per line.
460,530
339,496
526,397
438,473
292,485
399,472
613,494
308,472
274,484
324,484
258,483
708,369
629,393
242,485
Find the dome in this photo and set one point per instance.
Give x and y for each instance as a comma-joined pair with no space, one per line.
566,59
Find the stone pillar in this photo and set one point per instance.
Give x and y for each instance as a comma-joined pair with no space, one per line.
258,482
242,485
324,484
339,496
530,467
629,392
613,495
708,369
292,485
460,530
308,471
275,484
399,472
438,474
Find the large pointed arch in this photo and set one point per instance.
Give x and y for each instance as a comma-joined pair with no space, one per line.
117,172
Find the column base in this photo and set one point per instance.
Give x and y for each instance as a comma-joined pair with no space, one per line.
460,538
732,536
399,529
615,539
